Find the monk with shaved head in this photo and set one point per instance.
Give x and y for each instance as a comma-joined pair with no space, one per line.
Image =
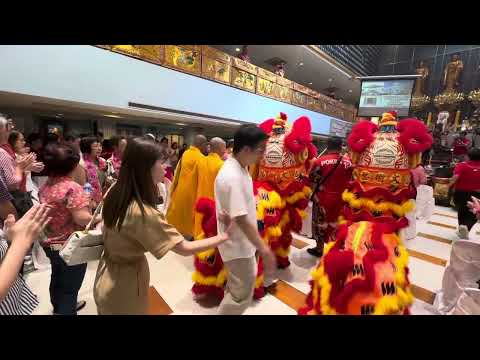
180,212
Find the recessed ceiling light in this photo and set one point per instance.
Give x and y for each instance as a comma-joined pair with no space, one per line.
181,124
111,115
237,49
350,90
330,80
310,83
59,114
300,63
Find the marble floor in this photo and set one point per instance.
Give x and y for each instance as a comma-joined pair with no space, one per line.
171,276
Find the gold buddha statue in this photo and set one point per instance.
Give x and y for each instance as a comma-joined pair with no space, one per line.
422,69
451,75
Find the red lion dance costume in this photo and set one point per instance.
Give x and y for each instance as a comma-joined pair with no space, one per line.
282,190
281,183
364,271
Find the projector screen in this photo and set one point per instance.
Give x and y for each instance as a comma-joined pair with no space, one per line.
378,97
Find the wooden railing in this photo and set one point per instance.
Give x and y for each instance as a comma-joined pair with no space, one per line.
212,64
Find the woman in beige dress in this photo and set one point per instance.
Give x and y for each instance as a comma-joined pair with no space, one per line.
132,227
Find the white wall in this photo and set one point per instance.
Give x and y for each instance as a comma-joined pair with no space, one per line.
96,76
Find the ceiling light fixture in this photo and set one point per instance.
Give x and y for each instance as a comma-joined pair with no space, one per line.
237,49
330,80
310,83
112,116
350,90
181,124
300,63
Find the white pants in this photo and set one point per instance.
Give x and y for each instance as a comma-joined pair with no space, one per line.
240,286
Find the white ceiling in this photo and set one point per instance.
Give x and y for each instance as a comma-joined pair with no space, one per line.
41,106
315,69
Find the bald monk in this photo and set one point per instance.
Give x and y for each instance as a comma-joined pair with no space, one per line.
184,187
208,171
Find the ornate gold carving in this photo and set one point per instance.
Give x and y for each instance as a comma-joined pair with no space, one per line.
183,59
310,102
267,75
299,99
245,66
282,93
265,87
216,54
150,53
301,88
284,82
243,80
191,47
215,70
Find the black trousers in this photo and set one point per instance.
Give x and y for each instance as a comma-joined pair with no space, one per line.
65,283
465,216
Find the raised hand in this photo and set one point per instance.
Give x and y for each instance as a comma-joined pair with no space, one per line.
26,230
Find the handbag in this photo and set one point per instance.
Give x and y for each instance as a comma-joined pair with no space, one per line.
84,246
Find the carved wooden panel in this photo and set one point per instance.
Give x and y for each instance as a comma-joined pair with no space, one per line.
265,87
183,59
216,54
215,70
284,82
299,98
267,75
150,53
243,80
191,47
310,102
301,88
245,66
282,93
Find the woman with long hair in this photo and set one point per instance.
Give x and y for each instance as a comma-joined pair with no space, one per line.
134,226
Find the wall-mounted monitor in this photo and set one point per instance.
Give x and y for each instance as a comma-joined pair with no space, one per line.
379,96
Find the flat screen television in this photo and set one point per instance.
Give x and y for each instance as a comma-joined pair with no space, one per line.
379,96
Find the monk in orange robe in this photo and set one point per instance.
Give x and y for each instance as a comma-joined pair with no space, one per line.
184,189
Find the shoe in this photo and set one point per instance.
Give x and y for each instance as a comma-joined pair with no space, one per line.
81,304
463,232
315,252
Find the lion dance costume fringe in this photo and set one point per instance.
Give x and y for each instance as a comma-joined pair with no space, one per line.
281,184
282,191
365,270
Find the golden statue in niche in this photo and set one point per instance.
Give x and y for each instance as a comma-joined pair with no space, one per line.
452,72
422,70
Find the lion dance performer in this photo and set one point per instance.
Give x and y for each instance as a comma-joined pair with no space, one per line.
281,185
364,271
282,190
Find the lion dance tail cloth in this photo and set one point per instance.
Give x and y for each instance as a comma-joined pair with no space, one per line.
365,270
281,184
210,276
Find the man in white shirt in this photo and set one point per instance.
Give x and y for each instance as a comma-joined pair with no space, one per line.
234,195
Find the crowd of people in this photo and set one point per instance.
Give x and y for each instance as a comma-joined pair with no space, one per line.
50,187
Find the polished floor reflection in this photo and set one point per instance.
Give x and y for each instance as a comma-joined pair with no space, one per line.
170,278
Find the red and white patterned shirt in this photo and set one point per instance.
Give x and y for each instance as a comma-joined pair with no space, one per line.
64,195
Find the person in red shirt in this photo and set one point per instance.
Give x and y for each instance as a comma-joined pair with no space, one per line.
330,175
466,181
461,146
